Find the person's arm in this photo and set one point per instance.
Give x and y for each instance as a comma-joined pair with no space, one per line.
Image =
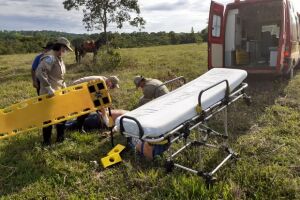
42,73
160,91
87,79
148,91
105,117
115,113
34,66
34,81
143,101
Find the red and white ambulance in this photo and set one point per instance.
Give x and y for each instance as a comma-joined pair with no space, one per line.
260,36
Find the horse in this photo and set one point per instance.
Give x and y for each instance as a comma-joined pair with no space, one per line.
82,47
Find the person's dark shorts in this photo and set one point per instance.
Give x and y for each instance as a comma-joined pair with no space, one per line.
92,122
159,149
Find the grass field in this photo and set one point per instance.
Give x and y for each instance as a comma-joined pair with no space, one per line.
266,135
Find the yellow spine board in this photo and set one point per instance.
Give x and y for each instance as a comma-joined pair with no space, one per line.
111,160
42,111
117,149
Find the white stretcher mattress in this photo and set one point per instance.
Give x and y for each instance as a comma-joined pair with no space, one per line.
171,110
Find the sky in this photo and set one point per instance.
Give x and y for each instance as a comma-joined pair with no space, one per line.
160,15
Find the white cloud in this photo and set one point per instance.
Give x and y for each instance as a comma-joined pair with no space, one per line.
38,15
161,15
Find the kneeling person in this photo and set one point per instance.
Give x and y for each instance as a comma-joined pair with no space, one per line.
111,82
152,88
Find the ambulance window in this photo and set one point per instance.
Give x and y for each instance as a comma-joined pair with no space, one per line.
216,26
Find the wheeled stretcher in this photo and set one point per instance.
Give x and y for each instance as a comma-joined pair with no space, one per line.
43,111
174,115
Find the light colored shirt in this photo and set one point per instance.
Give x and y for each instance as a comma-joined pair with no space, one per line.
88,78
51,72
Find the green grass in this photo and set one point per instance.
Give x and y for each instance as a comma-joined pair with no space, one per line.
266,135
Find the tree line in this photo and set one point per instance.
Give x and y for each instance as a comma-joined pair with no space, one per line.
13,42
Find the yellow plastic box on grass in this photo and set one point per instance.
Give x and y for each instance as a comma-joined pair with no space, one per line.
111,160
117,149
113,157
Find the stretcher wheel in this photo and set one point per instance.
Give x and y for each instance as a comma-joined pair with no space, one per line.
169,165
210,181
235,158
290,74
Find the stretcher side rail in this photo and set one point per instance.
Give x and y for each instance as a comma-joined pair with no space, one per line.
122,130
227,91
171,81
222,104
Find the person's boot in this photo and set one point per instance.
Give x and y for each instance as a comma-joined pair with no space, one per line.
60,128
47,136
82,130
80,123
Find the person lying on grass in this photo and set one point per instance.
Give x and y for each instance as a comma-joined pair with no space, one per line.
111,82
147,149
98,121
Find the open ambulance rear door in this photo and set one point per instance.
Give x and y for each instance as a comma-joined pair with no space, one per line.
216,36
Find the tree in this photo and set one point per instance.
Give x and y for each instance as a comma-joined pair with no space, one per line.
204,34
173,37
99,14
192,36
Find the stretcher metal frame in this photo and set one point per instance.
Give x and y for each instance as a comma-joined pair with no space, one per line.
183,131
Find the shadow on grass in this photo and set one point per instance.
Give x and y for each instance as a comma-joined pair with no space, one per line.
21,163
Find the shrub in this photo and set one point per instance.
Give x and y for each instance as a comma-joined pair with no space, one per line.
108,60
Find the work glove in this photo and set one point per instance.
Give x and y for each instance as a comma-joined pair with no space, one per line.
50,91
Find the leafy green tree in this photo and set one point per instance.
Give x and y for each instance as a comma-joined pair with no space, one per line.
192,36
173,37
12,42
99,14
198,37
204,34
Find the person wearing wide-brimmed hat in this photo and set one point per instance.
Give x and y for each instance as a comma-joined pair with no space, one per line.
111,82
50,73
35,64
152,88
